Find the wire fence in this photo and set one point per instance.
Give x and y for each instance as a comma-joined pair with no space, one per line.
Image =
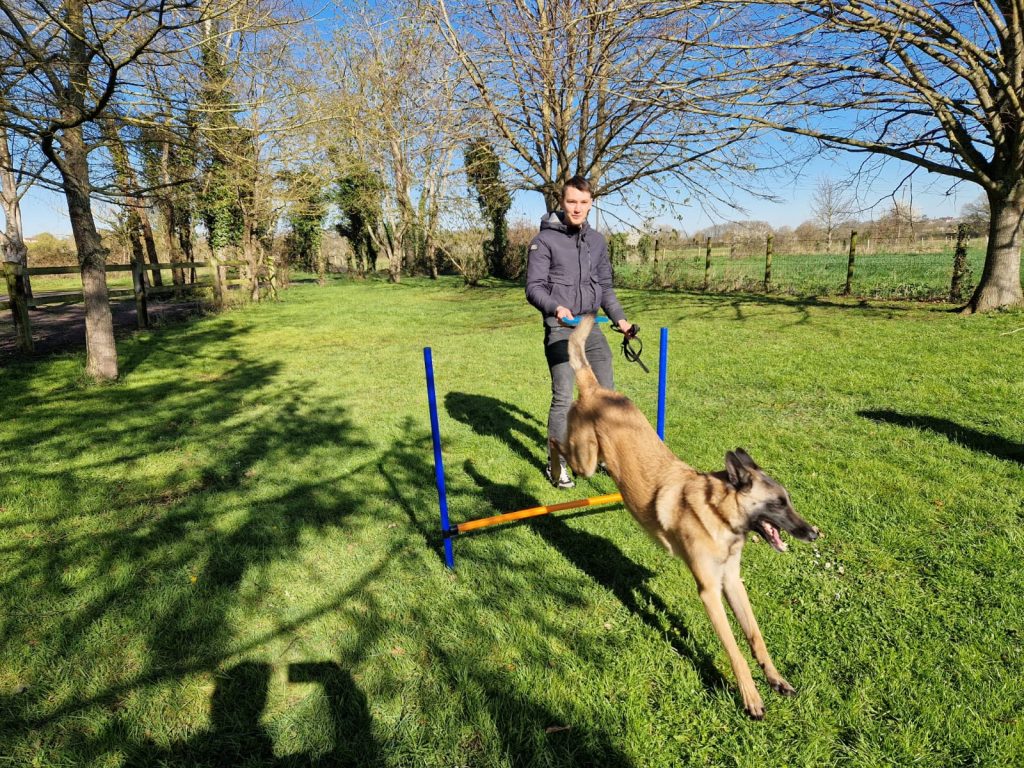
898,268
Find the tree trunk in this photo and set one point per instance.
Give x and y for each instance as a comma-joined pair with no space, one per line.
1000,284
391,244
250,247
15,250
140,233
100,348
147,236
552,199
219,275
133,225
270,265
183,229
170,220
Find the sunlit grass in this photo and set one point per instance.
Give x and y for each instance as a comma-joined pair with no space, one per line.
230,555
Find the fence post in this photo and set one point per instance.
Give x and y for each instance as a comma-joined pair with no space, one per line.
141,303
19,306
707,264
960,271
849,264
218,278
768,261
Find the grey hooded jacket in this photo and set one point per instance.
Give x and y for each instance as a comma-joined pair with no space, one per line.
568,266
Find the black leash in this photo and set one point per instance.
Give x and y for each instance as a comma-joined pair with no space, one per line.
628,351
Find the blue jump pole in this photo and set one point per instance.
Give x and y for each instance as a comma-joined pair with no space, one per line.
662,381
435,434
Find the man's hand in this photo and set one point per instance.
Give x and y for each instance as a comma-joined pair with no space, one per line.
563,314
625,325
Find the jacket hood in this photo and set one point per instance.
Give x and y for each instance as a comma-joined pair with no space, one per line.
555,220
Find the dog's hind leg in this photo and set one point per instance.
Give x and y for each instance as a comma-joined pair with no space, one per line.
736,594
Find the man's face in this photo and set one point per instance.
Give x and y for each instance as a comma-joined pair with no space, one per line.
576,205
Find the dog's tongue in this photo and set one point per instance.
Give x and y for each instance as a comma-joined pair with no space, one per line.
773,536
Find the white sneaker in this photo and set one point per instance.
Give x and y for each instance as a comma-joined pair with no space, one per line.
564,481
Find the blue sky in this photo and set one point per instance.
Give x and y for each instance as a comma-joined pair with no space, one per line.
930,195
45,211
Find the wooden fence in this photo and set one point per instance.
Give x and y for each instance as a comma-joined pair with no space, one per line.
19,300
711,265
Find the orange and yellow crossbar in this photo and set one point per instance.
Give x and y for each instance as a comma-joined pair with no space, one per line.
508,517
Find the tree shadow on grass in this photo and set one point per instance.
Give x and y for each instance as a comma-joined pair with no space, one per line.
510,424
606,564
149,564
408,469
982,442
530,732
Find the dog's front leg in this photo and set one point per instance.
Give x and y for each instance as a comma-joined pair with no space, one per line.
582,450
736,594
712,599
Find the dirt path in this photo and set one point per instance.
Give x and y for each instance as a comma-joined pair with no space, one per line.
62,328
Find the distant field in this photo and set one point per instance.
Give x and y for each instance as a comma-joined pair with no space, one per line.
43,284
877,274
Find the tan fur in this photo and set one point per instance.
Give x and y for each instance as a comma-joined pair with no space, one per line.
702,518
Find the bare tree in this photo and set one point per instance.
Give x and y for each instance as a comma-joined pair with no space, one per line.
832,206
936,84
138,228
252,130
15,180
13,186
579,87
395,116
897,222
63,65
977,216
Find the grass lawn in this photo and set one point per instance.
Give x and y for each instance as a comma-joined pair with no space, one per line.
229,557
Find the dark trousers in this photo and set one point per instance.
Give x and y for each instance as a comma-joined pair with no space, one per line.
556,350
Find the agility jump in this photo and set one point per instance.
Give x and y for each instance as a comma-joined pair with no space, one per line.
449,532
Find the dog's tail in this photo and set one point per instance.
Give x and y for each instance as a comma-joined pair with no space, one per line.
585,378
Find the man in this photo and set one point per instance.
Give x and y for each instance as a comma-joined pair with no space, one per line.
568,274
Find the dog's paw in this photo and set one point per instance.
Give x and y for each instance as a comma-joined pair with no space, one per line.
755,709
779,685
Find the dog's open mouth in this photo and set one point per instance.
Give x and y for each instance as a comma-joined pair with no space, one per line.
771,535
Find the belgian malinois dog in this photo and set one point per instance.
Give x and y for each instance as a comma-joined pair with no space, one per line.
701,517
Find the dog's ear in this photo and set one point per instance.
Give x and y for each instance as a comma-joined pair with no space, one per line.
744,457
738,472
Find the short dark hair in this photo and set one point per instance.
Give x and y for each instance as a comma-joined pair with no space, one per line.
580,183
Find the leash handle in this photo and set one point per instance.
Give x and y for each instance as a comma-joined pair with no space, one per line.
629,337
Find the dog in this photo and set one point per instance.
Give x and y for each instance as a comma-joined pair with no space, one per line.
701,517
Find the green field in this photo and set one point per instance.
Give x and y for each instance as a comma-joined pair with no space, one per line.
878,274
230,557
